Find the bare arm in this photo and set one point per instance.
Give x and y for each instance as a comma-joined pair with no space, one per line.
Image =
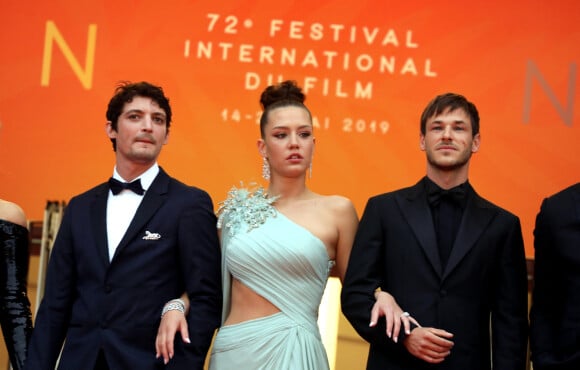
12,212
347,223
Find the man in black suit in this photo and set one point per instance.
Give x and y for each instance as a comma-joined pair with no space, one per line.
123,251
450,258
555,312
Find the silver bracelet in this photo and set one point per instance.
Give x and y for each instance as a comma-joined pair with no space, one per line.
175,304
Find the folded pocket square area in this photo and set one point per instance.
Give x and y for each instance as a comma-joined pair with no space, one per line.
151,236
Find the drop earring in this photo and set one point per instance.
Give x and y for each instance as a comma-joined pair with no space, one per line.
265,169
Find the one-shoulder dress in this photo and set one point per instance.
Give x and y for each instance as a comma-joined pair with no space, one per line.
284,263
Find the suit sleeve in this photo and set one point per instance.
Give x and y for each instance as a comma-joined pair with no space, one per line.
364,275
201,264
547,289
53,316
510,308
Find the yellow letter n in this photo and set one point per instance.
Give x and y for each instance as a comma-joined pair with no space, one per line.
52,34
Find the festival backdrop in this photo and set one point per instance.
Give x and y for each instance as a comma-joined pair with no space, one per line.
368,67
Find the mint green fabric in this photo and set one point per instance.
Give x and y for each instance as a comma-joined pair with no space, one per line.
286,264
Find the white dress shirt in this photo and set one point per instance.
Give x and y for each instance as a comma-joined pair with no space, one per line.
121,208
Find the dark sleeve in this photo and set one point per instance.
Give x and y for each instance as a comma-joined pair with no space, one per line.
364,275
15,307
509,319
53,316
201,263
547,289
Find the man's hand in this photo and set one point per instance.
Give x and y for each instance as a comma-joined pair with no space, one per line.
429,344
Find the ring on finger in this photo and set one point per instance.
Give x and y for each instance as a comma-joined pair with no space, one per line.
405,314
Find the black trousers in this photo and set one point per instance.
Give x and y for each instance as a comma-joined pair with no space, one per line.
101,363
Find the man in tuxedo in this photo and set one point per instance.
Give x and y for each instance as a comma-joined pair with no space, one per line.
124,249
452,260
555,312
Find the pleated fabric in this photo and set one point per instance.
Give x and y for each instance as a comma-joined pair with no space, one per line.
286,264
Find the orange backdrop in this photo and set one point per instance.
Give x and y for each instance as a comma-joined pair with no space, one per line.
369,68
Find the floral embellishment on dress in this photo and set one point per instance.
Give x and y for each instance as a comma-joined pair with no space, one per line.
245,206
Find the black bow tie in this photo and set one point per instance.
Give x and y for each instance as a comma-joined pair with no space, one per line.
435,194
118,186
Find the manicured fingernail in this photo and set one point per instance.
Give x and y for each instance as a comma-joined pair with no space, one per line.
395,339
372,323
187,340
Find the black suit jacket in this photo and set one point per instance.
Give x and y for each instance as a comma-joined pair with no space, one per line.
555,313
395,249
115,306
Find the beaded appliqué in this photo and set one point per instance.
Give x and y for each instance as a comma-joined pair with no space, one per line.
245,206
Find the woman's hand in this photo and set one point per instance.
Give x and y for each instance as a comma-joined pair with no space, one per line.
172,321
386,306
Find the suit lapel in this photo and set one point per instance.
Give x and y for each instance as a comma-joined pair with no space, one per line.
154,197
477,216
99,223
414,207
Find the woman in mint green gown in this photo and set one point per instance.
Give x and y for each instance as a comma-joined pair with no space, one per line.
278,248
287,265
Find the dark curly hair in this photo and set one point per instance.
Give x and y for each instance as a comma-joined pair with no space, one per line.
126,91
